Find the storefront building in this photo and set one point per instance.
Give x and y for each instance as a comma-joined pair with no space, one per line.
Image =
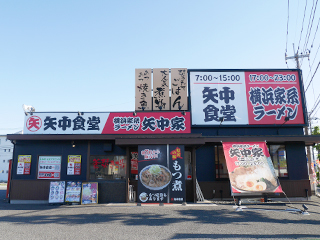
205,109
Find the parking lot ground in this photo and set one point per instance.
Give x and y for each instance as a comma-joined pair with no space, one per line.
219,220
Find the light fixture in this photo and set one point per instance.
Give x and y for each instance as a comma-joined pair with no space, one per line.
80,113
28,109
72,143
304,211
183,112
286,119
160,108
134,114
221,119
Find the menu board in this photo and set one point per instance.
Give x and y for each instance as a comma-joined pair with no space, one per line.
49,167
74,165
56,192
73,192
89,193
161,174
24,164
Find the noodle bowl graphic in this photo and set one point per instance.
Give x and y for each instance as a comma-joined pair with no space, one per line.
155,177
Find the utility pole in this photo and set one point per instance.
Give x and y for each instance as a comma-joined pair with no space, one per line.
306,130
296,57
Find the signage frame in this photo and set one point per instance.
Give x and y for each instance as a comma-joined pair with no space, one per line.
286,71
56,171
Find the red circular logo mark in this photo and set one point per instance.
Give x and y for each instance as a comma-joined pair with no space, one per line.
34,123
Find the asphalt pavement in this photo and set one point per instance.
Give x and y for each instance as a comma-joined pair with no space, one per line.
209,220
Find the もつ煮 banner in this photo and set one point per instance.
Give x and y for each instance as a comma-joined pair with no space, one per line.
250,168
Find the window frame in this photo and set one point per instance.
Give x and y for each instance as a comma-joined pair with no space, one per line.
217,159
278,162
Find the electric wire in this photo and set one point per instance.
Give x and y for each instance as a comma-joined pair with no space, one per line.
314,108
287,30
304,14
312,77
316,103
310,27
314,7
315,33
315,113
313,62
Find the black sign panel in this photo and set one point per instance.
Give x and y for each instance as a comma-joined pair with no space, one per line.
176,166
161,174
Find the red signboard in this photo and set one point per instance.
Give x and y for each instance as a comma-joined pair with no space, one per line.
108,123
147,122
247,97
250,168
273,97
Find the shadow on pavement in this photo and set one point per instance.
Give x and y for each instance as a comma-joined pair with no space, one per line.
71,216
245,236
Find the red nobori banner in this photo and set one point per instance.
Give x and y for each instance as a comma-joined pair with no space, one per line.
273,96
108,123
250,168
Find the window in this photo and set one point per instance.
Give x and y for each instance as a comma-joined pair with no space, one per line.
108,167
187,165
9,150
4,160
221,164
2,171
279,160
7,171
5,150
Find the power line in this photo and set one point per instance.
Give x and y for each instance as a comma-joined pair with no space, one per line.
312,77
313,62
287,29
304,14
314,108
315,33
310,25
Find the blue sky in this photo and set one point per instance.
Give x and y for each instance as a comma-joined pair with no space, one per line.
81,55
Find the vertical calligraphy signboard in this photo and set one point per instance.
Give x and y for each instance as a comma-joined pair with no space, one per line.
143,89
176,166
250,168
161,89
179,90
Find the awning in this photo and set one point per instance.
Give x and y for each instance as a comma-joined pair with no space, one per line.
185,139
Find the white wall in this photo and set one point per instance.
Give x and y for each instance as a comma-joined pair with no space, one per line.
6,153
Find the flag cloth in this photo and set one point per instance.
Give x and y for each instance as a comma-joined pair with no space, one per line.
250,168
